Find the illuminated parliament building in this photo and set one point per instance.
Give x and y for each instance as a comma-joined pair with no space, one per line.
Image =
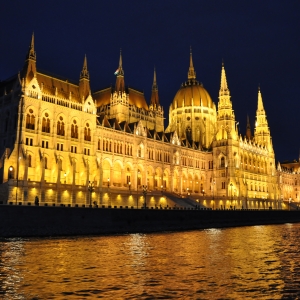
67,145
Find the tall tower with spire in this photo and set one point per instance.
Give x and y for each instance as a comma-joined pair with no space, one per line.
248,130
120,83
262,132
226,117
29,68
154,95
156,107
84,81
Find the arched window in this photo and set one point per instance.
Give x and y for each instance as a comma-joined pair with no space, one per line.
189,133
222,164
87,132
74,130
99,144
30,120
46,123
60,127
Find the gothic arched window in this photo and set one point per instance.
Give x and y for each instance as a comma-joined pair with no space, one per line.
46,123
189,133
222,164
74,130
87,132
60,127
30,120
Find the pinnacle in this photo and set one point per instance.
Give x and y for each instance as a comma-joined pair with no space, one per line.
191,73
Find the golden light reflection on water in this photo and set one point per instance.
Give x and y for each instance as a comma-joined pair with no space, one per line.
239,263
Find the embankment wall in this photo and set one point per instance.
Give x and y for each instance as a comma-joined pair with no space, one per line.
40,221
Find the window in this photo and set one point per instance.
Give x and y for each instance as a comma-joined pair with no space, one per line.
44,144
222,164
29,160
87,132
73,149
30,120
223,185
60,127
60,147
29,141
74,130
46,124
46,162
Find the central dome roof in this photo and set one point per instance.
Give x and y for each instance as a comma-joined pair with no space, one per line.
192,93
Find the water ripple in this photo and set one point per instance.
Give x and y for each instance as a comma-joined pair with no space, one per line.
259,262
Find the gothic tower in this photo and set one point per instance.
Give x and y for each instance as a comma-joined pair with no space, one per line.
262,132
84,81
29,69
225,117
120,83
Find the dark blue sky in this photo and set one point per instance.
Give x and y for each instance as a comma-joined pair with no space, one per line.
259,42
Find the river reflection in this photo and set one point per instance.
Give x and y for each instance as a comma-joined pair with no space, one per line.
259,262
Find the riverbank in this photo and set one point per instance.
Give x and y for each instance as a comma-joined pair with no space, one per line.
40,221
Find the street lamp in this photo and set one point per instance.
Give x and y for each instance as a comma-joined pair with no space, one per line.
10,174
129,186
91,189
290,203
145,190
187,189
203,192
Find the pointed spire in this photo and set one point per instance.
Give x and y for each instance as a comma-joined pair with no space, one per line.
224,87
120,70
248,129
29,68
154,96
191,73
120,83
154,85
84,81
31,53
84,73
260,106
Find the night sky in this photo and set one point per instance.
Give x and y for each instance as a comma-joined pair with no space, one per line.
259,42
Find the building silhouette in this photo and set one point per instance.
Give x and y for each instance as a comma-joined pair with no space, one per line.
68,145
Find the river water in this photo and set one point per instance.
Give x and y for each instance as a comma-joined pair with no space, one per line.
255,262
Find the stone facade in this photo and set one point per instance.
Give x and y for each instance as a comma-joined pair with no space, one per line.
65,144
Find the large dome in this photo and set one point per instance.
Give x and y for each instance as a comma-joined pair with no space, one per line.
192,93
